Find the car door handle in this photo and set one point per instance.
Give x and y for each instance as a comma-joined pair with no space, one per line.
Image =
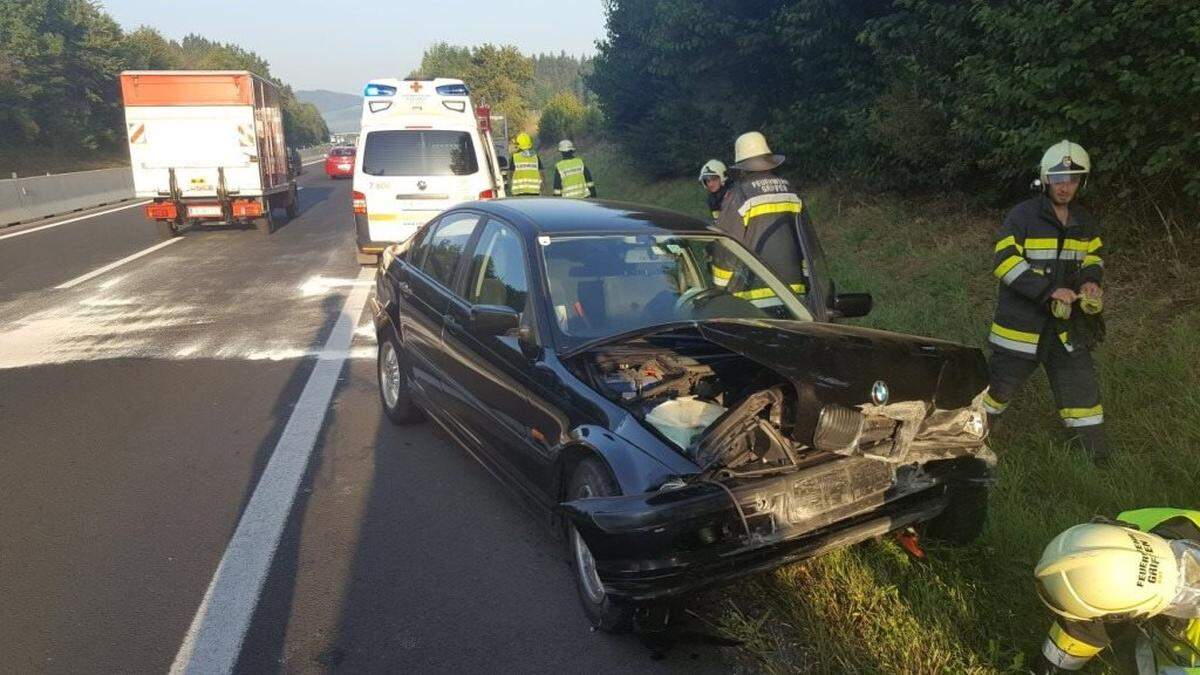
404,288
450,321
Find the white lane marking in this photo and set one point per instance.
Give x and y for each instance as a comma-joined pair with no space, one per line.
315,161
113,265
214,640
72,220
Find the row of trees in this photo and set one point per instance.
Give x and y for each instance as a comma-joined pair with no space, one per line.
915,94
544,92
59,61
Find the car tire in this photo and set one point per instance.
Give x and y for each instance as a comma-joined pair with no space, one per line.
963,520
393,385
592,479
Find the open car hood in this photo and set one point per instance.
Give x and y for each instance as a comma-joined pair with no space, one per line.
839,364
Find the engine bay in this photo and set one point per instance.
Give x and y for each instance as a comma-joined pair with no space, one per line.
723,410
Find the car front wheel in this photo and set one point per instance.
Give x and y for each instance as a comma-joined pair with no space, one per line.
592,479
393,386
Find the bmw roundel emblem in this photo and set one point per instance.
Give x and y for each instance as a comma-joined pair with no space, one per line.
880,393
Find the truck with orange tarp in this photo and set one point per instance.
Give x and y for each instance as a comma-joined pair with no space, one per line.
207,145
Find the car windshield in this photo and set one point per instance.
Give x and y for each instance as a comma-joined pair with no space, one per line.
610,284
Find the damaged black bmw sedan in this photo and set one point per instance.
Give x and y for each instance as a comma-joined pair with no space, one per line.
682,428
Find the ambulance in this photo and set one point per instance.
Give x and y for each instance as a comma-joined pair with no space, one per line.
423,147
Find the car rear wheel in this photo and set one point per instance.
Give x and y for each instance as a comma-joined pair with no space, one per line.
962,521
393,386
592,479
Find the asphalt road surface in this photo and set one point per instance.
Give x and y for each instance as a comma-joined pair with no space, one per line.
144,391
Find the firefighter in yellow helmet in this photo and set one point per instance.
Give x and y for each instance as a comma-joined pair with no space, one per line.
713,176
1138,575
526,168
572,179
1050,271
763,212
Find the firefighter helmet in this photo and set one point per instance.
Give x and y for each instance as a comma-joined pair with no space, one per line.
566,145
751,153
1096,571
1064,159
524,142
711,168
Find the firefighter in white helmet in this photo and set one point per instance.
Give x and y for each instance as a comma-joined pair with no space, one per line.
1137,575
764,213
713,176
572,178
1049,267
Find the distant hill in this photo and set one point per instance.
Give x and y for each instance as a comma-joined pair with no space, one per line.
341,111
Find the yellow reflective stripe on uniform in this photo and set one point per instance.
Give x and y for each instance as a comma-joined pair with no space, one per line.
1008,241
1094,245
1090,259
1082,417
767,209
1019,336
1012,267
1041,244
755,294
992,405
721,273
1072,645
799,288
1075,245
1076,413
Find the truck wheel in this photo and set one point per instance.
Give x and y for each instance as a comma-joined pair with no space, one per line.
962,521
393,385
166,229
266,224
293,207
592,479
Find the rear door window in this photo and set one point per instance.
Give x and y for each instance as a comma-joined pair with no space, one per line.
342,152
411,152
446,246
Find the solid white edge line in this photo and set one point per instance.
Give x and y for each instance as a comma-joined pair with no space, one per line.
214,640
113,265
72,220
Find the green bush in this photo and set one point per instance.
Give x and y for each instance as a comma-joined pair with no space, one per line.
565,116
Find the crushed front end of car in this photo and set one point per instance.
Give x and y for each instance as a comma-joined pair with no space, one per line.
801,447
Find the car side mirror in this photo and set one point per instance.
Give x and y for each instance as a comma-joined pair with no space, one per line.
850,305
493,319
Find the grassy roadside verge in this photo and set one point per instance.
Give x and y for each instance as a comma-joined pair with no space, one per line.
972,609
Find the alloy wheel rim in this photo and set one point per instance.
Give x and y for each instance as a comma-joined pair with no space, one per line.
585,563
389,375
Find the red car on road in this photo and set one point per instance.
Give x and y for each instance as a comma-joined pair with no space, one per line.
339,163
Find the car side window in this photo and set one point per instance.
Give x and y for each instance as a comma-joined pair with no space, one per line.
498,275
420,245
446,246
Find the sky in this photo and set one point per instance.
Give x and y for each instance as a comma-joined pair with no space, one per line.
340,45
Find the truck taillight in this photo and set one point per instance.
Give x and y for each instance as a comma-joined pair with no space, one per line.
487,194
359,203
161,211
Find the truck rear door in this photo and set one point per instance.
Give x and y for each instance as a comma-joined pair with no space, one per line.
199,143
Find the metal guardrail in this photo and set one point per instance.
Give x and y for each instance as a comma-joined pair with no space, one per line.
37,197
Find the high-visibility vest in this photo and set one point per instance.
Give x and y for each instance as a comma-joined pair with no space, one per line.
526,177
574,182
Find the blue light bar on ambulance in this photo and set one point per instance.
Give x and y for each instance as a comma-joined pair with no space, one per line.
379,90
453,90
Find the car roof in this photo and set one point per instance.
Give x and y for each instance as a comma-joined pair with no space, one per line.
556,215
